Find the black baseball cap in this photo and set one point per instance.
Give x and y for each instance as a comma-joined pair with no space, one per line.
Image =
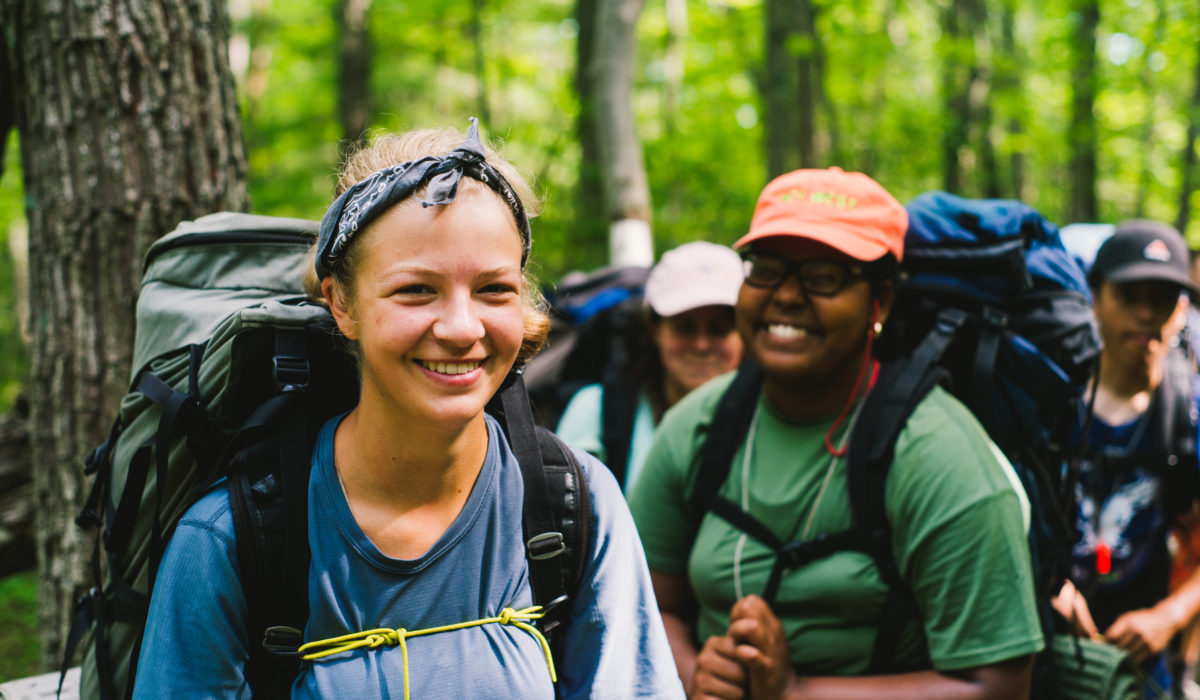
1143,250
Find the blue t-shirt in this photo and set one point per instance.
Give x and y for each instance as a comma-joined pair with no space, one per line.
1121,561
614,645
1120,558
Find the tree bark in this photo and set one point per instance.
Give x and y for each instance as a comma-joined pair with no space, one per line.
782,122
1083,205
354,70
677,28
623,171
1008,81
476,32
1187,179
591,221
1146,155
959,70
17,552
129,124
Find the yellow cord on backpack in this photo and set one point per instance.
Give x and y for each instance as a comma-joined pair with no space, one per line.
373,639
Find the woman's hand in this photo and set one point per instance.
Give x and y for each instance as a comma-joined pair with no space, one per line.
1143,633
762,647
1071,605
719,675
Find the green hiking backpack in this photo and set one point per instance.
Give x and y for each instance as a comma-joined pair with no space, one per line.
234,372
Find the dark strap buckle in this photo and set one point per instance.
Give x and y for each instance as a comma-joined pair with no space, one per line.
290,373
282,640
546,545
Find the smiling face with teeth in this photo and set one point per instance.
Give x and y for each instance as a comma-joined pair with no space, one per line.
436,308
809,347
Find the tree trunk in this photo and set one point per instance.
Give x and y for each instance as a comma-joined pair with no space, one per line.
476,33
958,72
591,221
354,70
782,122
1083,121
1008,81
1187,180
677,28
809,89
17,552
1146,155
129,124
623,172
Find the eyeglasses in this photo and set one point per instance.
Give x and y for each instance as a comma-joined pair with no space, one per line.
823,278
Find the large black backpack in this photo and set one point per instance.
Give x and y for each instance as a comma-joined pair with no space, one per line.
990,305
596,337
234,372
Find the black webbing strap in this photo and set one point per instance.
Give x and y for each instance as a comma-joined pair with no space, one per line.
991,331
269,461
618,410
181,415
544,540
726,431
901,385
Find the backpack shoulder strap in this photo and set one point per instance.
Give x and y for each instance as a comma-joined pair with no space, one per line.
557,505
901,385
1178,404
734,412
269,463
618,413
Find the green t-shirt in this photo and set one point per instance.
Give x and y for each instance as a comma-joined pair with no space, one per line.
958,537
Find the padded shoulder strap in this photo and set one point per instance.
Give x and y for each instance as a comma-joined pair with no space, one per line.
555,495
901,385
733,414
1178,404
618,411
270,460
571,497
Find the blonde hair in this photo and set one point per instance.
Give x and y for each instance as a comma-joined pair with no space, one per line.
385,150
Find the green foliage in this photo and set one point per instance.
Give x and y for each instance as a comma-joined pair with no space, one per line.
18,626
14,355
885,62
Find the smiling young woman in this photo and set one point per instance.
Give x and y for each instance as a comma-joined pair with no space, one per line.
415,496
819,262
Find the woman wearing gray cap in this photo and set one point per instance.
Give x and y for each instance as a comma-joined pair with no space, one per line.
1138,478
419,583
690,295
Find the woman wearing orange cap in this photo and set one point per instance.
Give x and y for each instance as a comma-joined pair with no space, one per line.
820,259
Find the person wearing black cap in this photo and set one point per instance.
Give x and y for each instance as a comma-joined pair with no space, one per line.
419,583
1138,474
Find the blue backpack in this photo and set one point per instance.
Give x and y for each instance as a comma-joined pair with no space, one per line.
990,305
1013,311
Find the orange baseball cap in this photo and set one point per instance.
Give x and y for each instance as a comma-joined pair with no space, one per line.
846,211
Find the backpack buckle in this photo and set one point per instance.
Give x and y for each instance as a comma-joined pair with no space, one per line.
282,640
290,373
546,545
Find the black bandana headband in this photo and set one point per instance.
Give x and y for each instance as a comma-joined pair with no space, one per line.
366,200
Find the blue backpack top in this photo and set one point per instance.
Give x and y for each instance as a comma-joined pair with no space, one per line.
1026,341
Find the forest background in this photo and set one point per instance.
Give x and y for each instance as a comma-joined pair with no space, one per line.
1086,110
